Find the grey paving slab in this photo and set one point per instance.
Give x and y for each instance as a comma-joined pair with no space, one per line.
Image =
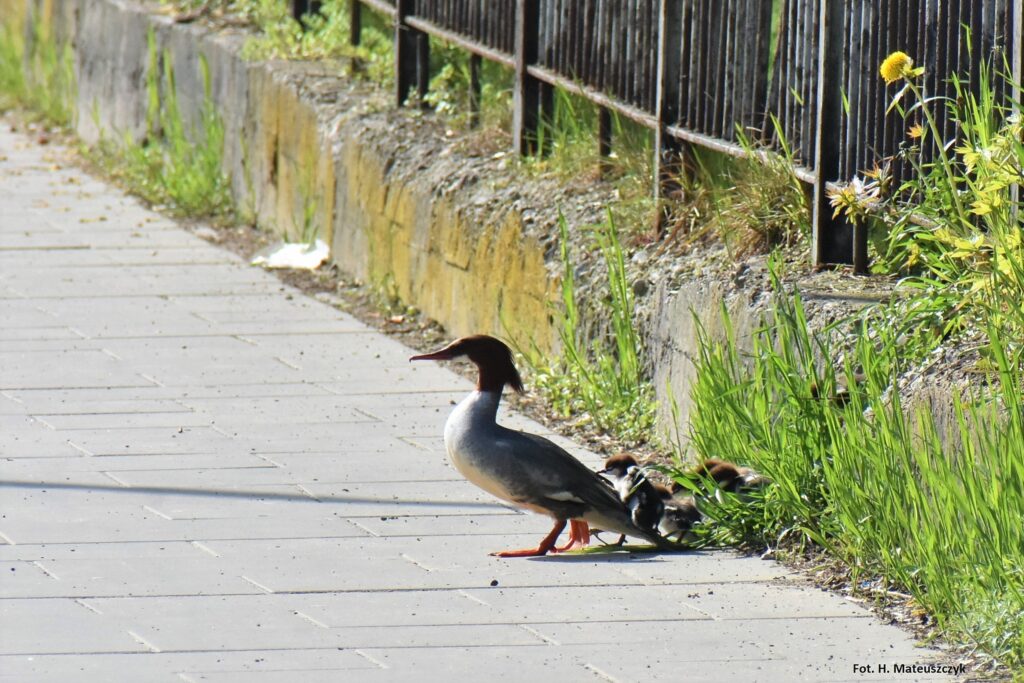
205,475
122,551
22,337
147,440
19,314
228,622
132,420
198,574
201,468
285,665
82,368
97,399
59,625
299,410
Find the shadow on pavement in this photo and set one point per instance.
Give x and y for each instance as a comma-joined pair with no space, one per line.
252,495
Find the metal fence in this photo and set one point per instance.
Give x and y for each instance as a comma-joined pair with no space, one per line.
695,70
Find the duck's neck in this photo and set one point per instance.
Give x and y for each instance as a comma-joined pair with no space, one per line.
490,379
479,410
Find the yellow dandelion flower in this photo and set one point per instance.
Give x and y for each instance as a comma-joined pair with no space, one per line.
896,66
916,131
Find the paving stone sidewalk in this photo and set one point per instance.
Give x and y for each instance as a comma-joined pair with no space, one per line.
207,476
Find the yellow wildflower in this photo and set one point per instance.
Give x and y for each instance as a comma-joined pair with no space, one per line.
916,131
842,198
913,255
856,198
896,66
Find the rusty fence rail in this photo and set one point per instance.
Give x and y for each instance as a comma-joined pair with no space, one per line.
697,71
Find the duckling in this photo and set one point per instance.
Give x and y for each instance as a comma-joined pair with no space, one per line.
678,516
729,477
643,501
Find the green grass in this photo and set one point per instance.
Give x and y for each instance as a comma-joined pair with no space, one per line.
321,36
12,79
38,77
756,203
871,480
602,382
449,91
567,147
175,166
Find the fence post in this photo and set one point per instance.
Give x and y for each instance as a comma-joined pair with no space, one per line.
832,240
668,150
355,22
1017,56
300,8
475,62
412,56
422,67
604,136
526,95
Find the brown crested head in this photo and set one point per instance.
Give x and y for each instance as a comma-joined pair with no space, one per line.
721,472
492,357
619,463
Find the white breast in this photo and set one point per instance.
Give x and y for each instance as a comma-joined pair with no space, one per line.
474,445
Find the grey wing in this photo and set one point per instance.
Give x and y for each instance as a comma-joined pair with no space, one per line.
562,483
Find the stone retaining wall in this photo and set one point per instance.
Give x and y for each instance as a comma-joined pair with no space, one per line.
297,143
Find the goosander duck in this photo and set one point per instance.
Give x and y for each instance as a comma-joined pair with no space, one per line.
524,469
635,491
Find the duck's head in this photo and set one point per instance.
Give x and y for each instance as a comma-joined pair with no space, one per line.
491,356
619,465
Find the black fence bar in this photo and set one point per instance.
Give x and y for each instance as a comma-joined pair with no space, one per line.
698,71
355,22
527,98
668,148
459,40
474,90
412,55
301,8
604,132
831,240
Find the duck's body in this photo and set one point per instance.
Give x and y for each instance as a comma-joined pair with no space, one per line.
526,470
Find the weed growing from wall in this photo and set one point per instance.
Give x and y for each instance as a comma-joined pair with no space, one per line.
12,80
39,76
174,166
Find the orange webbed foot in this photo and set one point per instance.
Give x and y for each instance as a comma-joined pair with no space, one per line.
526,552
579,537
545,546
